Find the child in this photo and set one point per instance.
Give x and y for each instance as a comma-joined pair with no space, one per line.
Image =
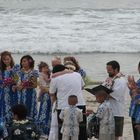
71,117
44,79
21,128
44,116
104,112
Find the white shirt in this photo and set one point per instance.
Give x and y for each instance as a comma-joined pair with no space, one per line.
66,85
119,93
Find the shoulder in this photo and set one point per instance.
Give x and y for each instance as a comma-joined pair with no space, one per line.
120,81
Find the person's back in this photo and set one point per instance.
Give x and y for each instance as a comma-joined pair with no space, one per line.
68,84
21,128
71,117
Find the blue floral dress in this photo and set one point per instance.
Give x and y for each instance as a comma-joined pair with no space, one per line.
44,116
134,111
28,93
9,97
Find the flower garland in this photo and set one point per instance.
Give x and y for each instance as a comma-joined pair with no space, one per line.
21,122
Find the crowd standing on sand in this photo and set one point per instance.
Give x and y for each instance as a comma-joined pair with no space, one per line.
57,110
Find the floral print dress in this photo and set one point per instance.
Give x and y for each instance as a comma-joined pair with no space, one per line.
28,92
44,116
10,97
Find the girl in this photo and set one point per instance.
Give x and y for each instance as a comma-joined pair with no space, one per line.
45,105
27,85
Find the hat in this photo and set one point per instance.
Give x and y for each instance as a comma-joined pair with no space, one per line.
58,68
99,88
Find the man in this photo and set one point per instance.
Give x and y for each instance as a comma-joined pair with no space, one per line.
56,60
117,83
61,87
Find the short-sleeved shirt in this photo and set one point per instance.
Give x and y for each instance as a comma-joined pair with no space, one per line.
119,93
66,85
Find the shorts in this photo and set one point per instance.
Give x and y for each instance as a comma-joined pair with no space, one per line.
119,122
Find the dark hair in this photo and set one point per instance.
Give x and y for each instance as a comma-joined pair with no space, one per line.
72,96
3,55
115,65
42,65
20,110
30,60
139,64
58,68
72,59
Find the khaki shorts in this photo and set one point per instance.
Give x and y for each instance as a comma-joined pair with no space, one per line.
119,122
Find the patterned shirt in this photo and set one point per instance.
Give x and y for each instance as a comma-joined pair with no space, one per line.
105,114
71,117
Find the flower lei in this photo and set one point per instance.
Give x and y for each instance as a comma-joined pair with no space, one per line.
110,81
21,122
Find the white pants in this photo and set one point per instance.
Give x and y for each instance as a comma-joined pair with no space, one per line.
65,137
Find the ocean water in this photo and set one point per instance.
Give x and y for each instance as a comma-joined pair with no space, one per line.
69,26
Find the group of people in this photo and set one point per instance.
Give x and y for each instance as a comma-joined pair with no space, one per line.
111,96
61,113
18,88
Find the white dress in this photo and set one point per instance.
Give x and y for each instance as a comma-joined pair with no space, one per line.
53,135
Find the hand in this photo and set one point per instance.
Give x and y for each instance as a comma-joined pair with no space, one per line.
138,127
44,89
131,83
19,87
14,88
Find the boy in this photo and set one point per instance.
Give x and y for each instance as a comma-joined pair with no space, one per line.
104,112
71,116
21,128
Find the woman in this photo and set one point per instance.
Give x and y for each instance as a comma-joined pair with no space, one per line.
27,85
134,111
9,77
76,64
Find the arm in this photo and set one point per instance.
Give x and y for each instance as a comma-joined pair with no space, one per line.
61,115
53,90
61,73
